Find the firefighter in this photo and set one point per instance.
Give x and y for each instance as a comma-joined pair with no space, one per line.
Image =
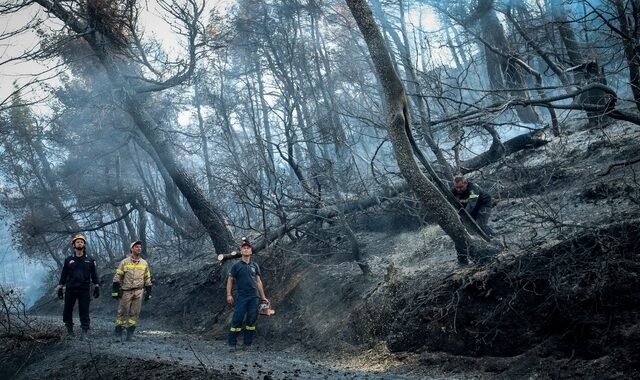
131,283
245,274
78,272
477,202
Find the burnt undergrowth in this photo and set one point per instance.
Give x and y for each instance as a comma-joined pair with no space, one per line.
576,299
22,340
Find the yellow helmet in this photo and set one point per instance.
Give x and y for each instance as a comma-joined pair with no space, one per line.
78,236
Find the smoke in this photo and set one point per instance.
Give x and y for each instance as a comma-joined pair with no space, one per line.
24,276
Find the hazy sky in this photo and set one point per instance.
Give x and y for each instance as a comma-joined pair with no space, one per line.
13,47
22,72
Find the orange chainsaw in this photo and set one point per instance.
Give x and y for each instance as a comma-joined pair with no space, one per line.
265,308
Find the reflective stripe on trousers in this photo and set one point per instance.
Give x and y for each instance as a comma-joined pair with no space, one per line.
129,307
246,310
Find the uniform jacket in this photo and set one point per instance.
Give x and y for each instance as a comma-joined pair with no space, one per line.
473,198
79,272
133,275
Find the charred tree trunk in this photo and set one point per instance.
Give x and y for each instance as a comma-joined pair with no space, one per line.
208,214
503,73
122,233
457,58
398,127
580,67
418,100
203,139
525,141
568,37
331,125
131,229
264,108
631,50
51,187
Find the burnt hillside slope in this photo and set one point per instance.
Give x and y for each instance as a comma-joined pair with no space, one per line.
560,300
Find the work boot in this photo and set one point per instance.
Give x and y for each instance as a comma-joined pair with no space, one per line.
69,330
84,334
130,331
248,347
118,333
233,349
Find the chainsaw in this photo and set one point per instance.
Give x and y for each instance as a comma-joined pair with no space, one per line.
265,308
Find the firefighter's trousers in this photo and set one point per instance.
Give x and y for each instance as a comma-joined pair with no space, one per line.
83,297
246,309
129,307
483,220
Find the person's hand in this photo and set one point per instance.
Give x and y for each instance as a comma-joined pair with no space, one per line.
147,293
96,291
230,299
115,290
60,293
265,300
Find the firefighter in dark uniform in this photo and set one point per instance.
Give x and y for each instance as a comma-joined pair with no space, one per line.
477,202
245,274
78,272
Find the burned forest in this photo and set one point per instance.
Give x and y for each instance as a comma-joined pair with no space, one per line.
435,189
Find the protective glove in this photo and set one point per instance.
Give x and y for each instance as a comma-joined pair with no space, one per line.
115,290
96,291
147,293
60,293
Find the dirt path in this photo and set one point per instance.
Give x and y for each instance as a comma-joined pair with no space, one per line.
162,354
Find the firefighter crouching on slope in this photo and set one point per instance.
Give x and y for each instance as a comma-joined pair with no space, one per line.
245,274
131,281
78,271
477,202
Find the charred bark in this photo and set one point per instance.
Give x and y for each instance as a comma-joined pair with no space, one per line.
419,101
503,73
632,52
398,128
528,140
130,100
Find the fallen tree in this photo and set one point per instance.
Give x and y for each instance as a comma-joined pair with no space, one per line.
528,140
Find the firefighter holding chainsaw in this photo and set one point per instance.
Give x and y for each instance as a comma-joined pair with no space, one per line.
245,274
131,283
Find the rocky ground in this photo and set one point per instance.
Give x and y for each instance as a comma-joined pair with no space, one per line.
560,301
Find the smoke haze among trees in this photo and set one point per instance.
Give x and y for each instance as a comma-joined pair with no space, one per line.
276,116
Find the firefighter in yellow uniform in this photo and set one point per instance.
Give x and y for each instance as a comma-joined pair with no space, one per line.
131,283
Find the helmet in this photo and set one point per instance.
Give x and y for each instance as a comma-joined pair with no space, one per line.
245,243
265,308
134,244
78,236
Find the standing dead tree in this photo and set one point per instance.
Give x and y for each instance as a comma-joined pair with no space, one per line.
399,129
108,37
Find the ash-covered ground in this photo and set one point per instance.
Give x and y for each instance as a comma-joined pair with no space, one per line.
559,302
